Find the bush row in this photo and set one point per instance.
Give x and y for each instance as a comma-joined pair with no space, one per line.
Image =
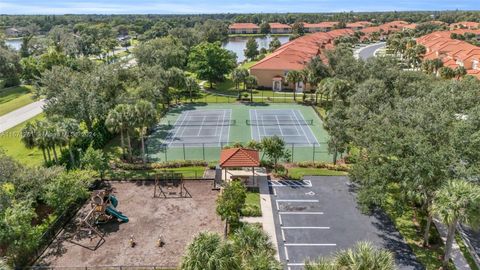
323,165
159,165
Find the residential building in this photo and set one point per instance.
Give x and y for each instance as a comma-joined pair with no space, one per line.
319,27
465,25
13,32
294,55
280,28
452,52
356,26
244,28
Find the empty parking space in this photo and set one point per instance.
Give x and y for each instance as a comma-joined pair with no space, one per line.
319,216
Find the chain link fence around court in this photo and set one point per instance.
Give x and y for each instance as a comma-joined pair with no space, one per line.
261,97
195,151
168,267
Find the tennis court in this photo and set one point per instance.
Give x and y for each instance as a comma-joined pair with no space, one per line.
289,125
200,131
200,128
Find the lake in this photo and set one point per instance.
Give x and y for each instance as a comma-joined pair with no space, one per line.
15,44
238,44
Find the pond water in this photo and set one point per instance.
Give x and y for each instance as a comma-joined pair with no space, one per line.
238,44
15,44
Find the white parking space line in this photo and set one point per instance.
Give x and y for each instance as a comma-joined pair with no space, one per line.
309,245
280,220
305,228
286,253
274,192
300,213
283,236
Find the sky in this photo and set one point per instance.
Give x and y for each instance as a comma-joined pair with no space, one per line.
224,6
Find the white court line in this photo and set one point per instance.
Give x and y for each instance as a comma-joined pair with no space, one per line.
201,126
251,129
278,125
229,127
258,126
300,213
298,201
305,228
296,128
301,126
216,126
309,128
309,245
179,127
221,130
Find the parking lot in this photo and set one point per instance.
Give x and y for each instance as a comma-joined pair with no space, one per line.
318,216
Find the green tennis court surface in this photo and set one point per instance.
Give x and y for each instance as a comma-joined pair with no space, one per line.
199,132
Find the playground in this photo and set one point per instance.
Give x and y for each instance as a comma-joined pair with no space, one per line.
199,132
142,230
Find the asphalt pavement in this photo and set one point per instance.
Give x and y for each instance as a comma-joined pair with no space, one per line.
369,51
21,115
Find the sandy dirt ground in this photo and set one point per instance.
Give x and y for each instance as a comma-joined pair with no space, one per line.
177,220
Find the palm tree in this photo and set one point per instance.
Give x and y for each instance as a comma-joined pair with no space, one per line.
250,83
176,80
447,73
456,202
71,130
363,256
200,250
305,75
114,123
238,76
121,119
294,77
317,72
29,138
145,116
460,72
191,86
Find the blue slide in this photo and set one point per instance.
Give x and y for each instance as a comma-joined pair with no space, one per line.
112,211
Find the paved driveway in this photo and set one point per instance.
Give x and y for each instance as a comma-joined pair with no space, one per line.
20,115
319,216
369,51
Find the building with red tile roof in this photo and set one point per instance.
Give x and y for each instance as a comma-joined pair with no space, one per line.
319,27
294,55
355,26
466,25
243,28
453,52
280,28
239,157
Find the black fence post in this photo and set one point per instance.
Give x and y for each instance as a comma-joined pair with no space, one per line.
203,150
313,153
293,149
166,159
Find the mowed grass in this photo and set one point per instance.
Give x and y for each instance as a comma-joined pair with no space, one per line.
10,142
14,97
187,172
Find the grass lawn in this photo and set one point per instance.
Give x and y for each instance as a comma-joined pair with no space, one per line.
410,222
14,97
187,172
10,142
248,64
298,173
252,205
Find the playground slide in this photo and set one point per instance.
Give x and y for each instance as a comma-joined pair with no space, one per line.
114,200
112,211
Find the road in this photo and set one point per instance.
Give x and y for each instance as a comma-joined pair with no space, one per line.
20,115
369,51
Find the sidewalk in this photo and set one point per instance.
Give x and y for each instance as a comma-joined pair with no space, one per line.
267,215
457,257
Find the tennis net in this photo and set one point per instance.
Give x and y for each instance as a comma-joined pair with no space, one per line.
302,122
202,123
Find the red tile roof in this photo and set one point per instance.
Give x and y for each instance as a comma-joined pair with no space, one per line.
243,26
465,24
279,25
320,25
294,55
239,157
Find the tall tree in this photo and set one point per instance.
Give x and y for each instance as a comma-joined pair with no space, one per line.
265,28
274,44
294,76
145,117
251,49
238,76
211,62
250,83
230,203
275,149
166,52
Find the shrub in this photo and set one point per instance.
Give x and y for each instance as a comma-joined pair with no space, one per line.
251,210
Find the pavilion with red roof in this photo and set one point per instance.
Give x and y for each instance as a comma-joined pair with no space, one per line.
240,163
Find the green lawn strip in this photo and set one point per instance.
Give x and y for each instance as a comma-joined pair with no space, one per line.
14,97
299,173
252,205
10,142
411,231
187,172
248,64
466,252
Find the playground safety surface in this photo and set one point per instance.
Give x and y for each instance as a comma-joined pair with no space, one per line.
176,220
